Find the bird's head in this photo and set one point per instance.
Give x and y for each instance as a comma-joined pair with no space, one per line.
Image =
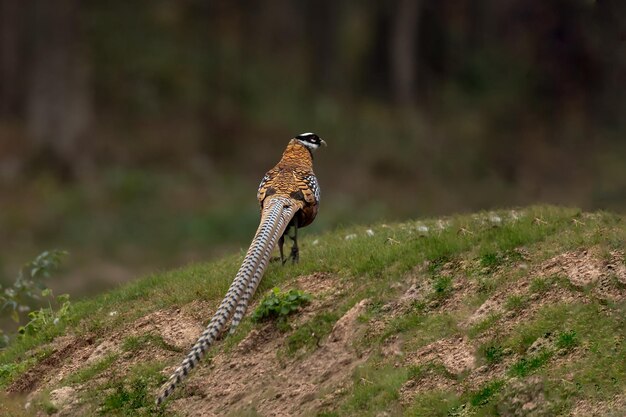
310,140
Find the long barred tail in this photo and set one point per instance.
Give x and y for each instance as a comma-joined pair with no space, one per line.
282,222
276,215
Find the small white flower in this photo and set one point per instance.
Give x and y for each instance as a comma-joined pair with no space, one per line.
350,236
316,242
422,228
369,232
113,313
494,218
55,321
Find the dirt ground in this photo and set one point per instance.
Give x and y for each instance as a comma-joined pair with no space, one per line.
257,376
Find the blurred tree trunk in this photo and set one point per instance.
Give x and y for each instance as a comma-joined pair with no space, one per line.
58,100
322,34
10,42
403,53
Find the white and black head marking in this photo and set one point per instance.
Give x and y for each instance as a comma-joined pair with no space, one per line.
310,140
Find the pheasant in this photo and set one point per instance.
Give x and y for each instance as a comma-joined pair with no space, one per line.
289,196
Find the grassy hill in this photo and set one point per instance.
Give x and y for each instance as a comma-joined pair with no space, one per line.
510,313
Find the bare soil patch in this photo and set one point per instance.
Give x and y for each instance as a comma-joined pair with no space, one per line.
455,354
31,379
612,408
253,376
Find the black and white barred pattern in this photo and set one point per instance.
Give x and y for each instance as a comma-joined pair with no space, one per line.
276,215
281,224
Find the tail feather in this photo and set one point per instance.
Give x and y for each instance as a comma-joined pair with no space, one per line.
242,306
276,215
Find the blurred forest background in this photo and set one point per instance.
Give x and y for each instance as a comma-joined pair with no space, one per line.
134,133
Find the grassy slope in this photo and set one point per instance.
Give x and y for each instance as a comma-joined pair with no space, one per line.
580,362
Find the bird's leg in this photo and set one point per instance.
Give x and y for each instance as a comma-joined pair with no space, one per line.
281,242
295,252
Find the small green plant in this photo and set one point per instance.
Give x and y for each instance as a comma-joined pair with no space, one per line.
280,304
46,317
311,332
493,353
132,395
567,340
127,398
7,369
29,289
442,286
490,260
515,302
486,285
539,285
525,366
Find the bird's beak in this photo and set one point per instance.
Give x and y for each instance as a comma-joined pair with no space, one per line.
323,142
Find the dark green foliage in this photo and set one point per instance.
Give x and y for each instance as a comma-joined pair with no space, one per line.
526,365
485,394
567,339
492,352
280,304
127,399
490,260
442,286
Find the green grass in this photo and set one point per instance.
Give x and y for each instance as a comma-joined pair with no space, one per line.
567,340
516,303
525,366
484,395
375,390
136,343
435,403
442,287
310,334
132,395
377,268
483,325
492,352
